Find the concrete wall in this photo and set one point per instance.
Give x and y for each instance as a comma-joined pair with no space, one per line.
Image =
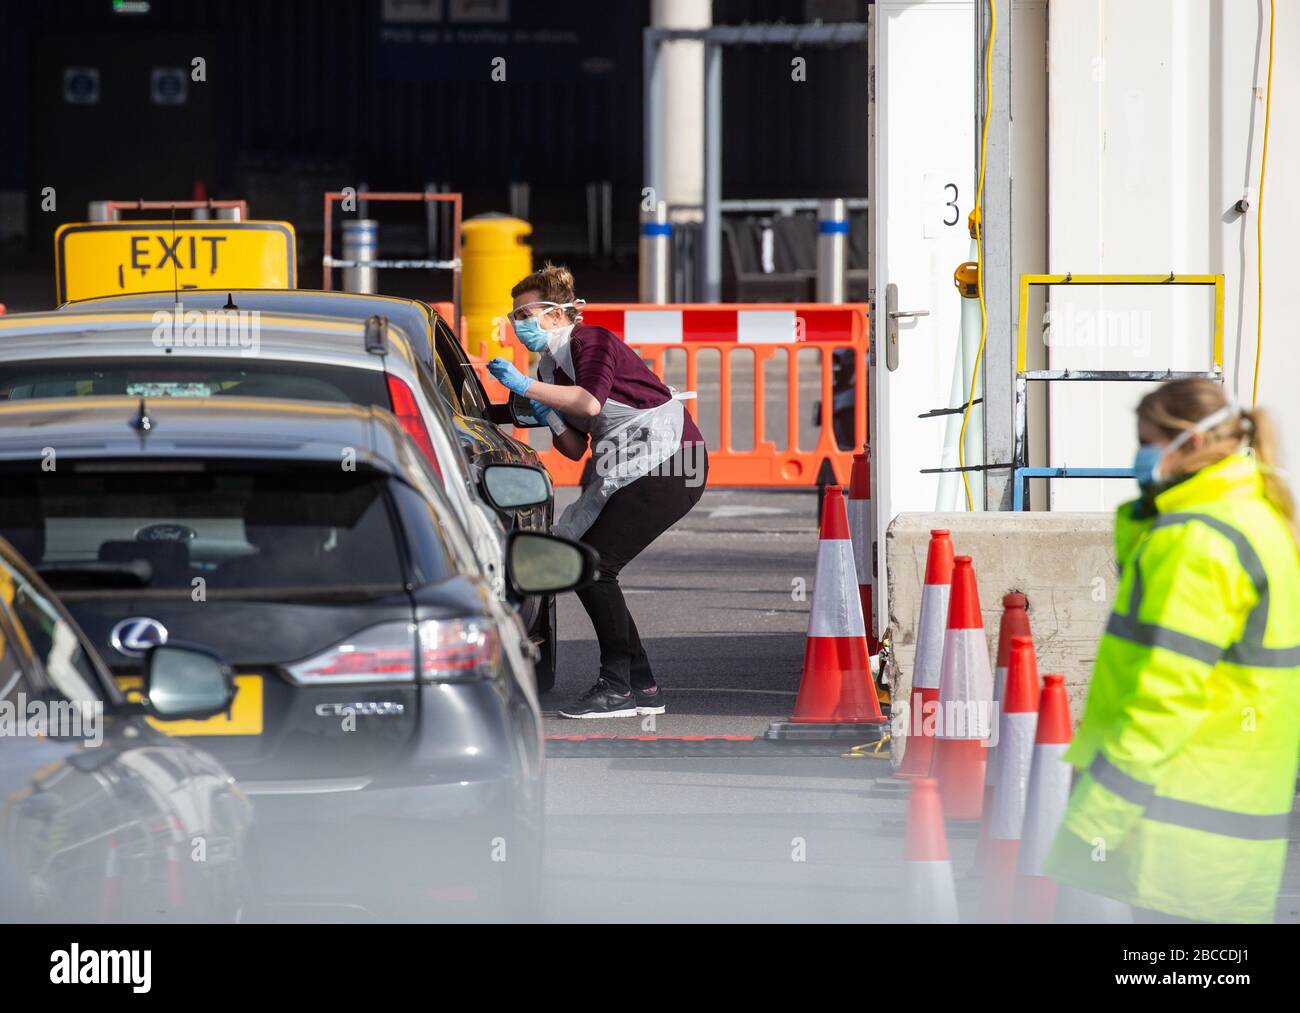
1062,562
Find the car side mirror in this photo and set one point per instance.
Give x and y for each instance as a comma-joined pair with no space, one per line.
184,681
515,486
548,564
517,412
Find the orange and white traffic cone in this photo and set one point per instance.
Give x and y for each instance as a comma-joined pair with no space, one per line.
1046,797
863,533
929,895
930,629
1017,719
1015,623
965,700
837,697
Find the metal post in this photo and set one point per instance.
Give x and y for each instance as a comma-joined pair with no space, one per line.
712,171
593,220
656,244
607,218
519,194
360,243
999,348
98,211
832,250
227,214
433,223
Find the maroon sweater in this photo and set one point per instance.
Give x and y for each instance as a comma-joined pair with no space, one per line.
608,367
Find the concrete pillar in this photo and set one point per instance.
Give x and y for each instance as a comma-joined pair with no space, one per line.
683,101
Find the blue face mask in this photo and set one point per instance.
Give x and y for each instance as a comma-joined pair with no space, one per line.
1145,464
531,334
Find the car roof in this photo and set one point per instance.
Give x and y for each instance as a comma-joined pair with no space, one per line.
109,331
234,428
412,315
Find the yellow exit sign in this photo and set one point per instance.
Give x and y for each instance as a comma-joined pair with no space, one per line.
96,259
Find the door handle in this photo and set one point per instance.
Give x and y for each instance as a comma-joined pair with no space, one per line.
892,315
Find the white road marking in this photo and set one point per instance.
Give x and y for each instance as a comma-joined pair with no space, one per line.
740,510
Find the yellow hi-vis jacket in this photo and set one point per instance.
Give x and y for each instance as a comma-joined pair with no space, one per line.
1187,751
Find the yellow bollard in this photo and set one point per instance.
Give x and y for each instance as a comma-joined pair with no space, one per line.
495,254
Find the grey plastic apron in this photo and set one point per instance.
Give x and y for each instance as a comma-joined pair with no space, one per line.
626,442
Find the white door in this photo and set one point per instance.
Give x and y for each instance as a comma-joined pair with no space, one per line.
923,181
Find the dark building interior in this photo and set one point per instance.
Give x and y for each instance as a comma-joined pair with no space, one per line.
303,96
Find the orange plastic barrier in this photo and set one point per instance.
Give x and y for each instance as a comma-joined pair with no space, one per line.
768,332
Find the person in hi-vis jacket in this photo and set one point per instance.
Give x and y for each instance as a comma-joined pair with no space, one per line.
650,464
1186,756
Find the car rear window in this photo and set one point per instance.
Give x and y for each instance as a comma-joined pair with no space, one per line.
239,528
155,377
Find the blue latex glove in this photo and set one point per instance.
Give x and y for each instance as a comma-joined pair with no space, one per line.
541,412
509,377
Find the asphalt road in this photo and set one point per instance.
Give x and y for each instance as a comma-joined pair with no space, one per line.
714,601
704,833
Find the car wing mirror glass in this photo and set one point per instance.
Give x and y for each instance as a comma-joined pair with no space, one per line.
185,681
547,564
521,413
515,486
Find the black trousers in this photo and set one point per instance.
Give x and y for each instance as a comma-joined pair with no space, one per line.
631,519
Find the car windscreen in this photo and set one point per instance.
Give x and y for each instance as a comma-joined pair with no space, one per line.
154,376
224,527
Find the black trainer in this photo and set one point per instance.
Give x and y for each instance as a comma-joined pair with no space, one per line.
601,702
650,701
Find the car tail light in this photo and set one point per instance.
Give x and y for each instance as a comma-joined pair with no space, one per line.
446,649
380,654
458,649
407,410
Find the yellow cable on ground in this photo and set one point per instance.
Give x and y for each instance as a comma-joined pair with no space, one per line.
1259,215
980,223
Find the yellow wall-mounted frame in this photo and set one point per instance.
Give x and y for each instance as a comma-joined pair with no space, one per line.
1026,280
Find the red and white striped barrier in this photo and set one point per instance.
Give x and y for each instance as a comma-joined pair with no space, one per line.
754,324
1017,719
919,753
1046,797
929,895
965,700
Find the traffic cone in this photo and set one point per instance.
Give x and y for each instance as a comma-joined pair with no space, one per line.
837,697
1017,719
929,895
863,533
929,656
1015,623
965,700
1046,798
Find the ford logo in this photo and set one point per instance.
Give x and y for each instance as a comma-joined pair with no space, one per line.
165,533
134,636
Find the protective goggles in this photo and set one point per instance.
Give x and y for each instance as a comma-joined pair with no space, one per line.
541,307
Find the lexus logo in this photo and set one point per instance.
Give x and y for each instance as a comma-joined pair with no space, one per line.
134,636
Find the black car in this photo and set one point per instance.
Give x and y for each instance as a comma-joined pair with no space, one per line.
387,723
477,421
104,818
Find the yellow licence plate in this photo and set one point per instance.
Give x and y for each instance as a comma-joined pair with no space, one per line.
243,718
